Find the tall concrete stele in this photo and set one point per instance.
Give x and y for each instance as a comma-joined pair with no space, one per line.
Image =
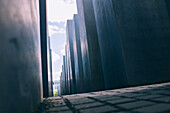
21,89
134,39
70,57
45,51
120,43
49,64
91,58
79,75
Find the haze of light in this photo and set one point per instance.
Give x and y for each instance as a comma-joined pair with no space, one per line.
59,11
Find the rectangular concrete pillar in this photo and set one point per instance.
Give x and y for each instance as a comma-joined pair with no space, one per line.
62,80
20,56
67,70
49,64
144,28
110,46
70,54
45,50
91,58
139,31
78,57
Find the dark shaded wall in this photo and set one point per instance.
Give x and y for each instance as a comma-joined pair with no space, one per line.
144,28
84,46
118,43
137,33
91,58
20,56
110,46
45,50
78,57
167,2
69,30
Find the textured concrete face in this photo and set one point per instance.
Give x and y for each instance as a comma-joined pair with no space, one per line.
109,42
62,79
142,40
139,32
89,46
67,71
70,56
84,46
20,56
78,57
144,28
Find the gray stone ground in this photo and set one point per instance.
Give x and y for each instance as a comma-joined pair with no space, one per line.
142,99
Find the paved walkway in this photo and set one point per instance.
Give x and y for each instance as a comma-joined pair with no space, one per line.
141,99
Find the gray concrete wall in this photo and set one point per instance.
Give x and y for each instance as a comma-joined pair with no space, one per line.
78,57
144,28
133,39
67,70
63,78
44,35
109,42
90,46
20,56
84,46
69,30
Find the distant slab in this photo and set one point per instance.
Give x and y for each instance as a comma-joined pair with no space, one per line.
91,57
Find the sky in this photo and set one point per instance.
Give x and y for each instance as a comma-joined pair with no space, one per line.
58,12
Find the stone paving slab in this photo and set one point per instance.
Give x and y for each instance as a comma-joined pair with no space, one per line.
142,99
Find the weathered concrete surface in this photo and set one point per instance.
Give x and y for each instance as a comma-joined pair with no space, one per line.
67,70
84,46
110,46
91,58
20,56
144,28
134,41
78,57
69,31
142,99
